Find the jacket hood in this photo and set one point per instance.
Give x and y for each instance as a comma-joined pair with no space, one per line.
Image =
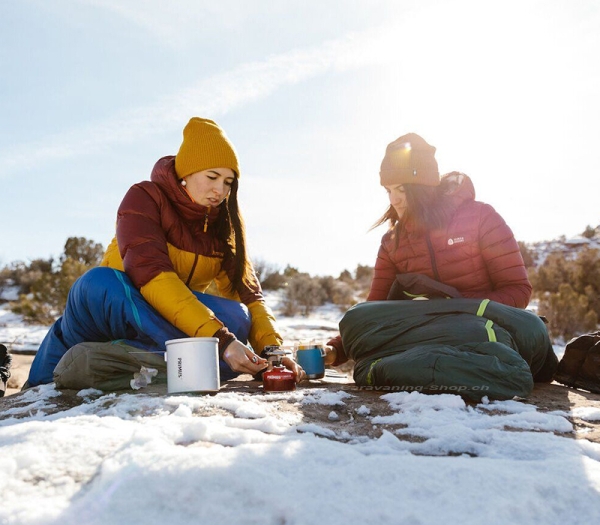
458,187
165,177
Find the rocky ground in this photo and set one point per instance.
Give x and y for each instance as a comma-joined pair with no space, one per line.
546,397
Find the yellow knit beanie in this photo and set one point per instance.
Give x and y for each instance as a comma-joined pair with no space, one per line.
204,146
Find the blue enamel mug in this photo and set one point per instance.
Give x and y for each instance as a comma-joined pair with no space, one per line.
311,358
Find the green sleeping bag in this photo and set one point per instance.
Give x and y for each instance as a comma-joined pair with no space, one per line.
465,346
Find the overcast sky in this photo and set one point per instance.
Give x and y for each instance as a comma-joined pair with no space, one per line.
93,92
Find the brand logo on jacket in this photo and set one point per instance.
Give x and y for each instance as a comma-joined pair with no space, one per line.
456,240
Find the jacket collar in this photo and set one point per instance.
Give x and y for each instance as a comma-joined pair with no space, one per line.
458,189
164,176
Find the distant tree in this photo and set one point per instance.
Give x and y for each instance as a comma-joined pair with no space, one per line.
269,275
340,293
328,285
302,294
345,276
364,277
568,312
84,251
364,273
4,280
568,290
527,254
44,288
555,270
41,265
261,268
290,271
274,281
23,275
589,232
343,295
586,276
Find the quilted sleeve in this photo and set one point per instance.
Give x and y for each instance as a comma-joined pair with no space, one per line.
383,275
263,331
141,239
143,248
503,260
169,295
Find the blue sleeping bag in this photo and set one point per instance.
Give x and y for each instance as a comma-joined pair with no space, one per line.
103,305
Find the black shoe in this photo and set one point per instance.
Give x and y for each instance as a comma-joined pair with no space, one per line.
5,360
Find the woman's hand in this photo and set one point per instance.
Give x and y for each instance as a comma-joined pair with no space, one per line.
242,359
291,365
330,355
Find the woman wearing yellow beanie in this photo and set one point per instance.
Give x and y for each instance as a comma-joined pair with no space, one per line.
176,234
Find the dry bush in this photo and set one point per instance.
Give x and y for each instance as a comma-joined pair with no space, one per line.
302,294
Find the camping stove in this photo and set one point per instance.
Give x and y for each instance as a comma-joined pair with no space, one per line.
278,378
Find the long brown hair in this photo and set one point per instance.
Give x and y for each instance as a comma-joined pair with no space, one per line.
231,229
427,208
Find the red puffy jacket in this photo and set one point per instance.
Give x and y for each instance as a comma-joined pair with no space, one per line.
476,253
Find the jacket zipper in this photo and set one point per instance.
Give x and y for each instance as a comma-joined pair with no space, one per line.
432,257
206,219
189,279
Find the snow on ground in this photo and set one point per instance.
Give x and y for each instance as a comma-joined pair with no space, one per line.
18,336
239,458
149,460
321,326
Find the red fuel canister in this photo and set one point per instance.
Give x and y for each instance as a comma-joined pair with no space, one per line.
277,378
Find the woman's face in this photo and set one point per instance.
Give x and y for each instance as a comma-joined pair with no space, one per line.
209,187
397,197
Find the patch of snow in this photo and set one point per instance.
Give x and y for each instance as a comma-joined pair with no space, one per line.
322,396
363,411
587,413
143,459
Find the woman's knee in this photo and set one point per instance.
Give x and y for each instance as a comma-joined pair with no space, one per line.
94,275
95,280
233,314
239,318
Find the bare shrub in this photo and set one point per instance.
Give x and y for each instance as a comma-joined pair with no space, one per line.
44,288
302,294
568,312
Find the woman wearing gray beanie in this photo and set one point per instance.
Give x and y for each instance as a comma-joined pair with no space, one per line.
441,243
